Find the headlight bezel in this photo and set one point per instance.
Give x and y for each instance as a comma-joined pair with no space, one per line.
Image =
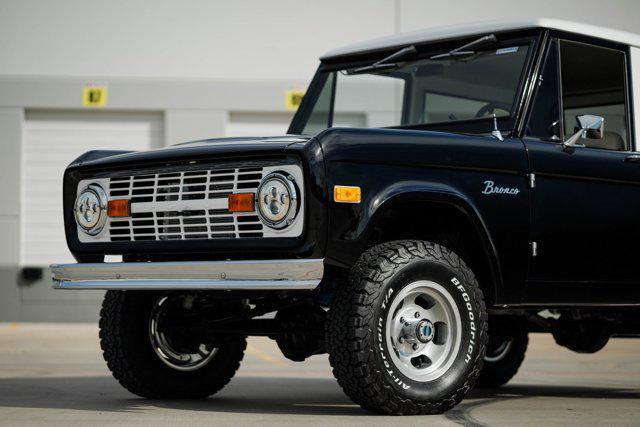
289,183
101,203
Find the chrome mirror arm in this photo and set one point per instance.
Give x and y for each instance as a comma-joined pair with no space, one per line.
496,131
571,141
589,127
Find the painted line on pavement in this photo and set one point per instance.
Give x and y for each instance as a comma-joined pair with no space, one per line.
254,351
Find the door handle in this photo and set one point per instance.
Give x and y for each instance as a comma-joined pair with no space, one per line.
633,158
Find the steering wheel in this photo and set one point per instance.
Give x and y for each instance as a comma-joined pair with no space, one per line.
488,109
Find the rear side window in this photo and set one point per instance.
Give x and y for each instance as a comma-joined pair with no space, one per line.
593,82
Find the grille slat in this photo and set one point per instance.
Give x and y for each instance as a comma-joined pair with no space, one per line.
167,190
188,185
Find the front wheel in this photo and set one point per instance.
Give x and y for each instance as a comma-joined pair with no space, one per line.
406,335
151,357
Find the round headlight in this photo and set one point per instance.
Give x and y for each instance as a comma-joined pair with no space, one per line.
277,200
90,209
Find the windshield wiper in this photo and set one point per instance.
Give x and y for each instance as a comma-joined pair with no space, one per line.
384,63
467,49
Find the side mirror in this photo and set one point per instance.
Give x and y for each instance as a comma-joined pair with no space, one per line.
589,127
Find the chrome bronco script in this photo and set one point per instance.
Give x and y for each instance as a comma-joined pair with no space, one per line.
491,188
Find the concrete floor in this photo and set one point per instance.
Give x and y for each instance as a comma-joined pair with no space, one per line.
54,374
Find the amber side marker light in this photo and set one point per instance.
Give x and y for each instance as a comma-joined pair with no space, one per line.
119,208
346,194
243,202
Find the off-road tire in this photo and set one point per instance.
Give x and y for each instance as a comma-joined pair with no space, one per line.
498,369
126,346
358,356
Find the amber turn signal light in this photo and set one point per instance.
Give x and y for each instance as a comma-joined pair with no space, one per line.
119,208
346,194
243,202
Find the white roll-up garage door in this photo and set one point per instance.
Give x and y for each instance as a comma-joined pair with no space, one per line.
51,141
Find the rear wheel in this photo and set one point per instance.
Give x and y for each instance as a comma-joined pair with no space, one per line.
151,357
406,335
507,345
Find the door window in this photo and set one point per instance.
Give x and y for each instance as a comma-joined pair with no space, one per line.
593,82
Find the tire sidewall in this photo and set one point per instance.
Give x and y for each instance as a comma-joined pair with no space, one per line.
470,349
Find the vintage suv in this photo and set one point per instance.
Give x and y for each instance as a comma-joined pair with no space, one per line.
441,194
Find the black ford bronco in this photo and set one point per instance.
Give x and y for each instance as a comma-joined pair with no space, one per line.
440,195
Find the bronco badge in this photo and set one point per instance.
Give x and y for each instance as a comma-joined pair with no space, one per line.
491,188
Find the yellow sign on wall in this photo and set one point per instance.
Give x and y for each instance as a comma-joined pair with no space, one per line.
293,98
94,96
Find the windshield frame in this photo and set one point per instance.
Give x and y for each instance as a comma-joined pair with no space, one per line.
507,124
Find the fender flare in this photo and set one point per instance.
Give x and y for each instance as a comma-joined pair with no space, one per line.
438,193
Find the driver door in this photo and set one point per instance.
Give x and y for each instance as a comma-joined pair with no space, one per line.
585,204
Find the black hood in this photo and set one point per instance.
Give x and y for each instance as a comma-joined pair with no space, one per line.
220,148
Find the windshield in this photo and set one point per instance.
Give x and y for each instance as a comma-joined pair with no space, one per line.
421,92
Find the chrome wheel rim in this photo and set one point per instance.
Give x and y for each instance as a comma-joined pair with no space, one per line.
423,331
161,343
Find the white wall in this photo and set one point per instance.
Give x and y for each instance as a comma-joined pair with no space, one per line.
239,39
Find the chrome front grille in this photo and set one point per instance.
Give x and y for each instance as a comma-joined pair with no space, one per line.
163,197
171,204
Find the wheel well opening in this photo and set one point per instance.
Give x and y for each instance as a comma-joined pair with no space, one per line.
440,223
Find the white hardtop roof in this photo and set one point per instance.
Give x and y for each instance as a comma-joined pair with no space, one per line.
480,28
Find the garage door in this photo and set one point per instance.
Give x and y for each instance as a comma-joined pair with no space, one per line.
51,141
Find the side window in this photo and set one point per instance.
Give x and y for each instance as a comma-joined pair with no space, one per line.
544,122
593,82
319,118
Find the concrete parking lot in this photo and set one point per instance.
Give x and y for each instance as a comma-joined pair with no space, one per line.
54,374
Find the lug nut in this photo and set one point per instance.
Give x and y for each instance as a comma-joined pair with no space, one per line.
401,340
402,320
417,315
415,346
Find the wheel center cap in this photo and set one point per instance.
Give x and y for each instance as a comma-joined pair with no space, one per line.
425,331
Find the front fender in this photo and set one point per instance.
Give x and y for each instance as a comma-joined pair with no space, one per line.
419,191
372,209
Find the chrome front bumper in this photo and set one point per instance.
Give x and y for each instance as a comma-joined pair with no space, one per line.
294,274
